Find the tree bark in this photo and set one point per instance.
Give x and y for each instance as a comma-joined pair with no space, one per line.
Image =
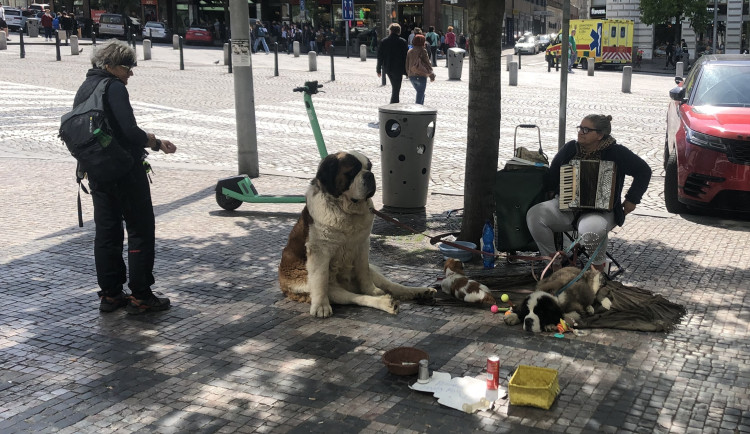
483,135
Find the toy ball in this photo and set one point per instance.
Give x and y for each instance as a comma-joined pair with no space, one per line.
508,312
504,298
494,308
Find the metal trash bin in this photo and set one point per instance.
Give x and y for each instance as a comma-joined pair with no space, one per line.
455,63
32,27
407,132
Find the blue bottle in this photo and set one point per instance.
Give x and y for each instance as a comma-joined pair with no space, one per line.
488,245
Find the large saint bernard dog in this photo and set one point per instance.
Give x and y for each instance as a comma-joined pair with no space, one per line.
326,259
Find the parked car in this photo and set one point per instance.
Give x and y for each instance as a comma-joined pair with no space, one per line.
155,30
15,19
526,44
198,35
112,25
543,42
707,146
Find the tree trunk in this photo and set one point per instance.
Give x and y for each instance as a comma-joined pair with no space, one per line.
483,135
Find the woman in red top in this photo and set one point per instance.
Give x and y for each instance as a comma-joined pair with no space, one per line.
450,38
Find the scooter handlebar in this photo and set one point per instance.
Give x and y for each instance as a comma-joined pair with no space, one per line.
310,87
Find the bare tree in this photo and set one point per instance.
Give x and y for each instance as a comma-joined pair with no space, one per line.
483,135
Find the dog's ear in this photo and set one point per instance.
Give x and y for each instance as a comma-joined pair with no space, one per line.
327,172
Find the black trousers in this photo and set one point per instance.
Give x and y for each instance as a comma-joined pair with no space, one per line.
128,200
433,54
395,86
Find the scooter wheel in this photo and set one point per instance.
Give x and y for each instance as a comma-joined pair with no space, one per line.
226,202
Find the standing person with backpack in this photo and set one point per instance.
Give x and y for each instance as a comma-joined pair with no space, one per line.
127,198
260,36
434,40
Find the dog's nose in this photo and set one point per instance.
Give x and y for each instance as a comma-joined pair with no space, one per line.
369,180
528,324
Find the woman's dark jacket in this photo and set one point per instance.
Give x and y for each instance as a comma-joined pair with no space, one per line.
119,111
626,163
392,55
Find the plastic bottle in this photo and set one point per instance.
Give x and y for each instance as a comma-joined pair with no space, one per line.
103,138
488,245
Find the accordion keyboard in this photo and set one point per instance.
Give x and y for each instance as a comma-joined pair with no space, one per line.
567,186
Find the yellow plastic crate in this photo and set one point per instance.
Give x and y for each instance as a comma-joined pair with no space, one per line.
534,386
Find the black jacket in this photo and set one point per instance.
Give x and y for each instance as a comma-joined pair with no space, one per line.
626,163
120,112
392,55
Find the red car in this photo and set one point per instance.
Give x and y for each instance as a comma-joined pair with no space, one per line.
707,149
198,35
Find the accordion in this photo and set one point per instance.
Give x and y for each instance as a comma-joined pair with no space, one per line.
587,185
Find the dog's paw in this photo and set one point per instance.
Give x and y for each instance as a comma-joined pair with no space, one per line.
590,309
606,303
321,310
425,292
389,304
512,319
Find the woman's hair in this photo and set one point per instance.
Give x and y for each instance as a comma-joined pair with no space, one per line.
450,28
395,29
418,41
603,123
113,52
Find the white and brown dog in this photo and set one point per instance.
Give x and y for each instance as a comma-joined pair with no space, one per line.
542,310
456,284
326,259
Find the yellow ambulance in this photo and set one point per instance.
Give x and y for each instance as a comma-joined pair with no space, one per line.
605,42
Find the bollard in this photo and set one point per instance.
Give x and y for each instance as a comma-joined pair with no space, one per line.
627,75
175,42
62,35
508,59
363,52
275,59
296,48
312,61
333,74
93,39
229,65
590,64
133,39
147,49
182,58
679,69
519,60
226,53
73,45
3,41
57,45
20,42
513,75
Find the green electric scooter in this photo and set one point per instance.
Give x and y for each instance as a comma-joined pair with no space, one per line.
232,191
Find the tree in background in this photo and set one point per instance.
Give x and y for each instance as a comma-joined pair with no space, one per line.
483,134
665,11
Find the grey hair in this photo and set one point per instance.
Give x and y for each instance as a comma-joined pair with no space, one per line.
603,123
113,52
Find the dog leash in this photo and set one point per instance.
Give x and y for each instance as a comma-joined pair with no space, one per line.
585,267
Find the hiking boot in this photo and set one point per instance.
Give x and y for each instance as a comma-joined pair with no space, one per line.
111,304
150,303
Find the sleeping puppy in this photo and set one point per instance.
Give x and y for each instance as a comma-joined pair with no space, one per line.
461,287
327,257
537,311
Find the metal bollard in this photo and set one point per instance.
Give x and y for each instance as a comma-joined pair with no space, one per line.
73,45
175,42
519,59
229,65
333,74
182,58
312,61
679,69
57,45
62,35
93,39
295,46
275,59
363,52
508,59
147,49
513,74
591,65
627,75
226,53
20,41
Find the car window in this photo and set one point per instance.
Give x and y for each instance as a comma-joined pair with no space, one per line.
15,12
723,85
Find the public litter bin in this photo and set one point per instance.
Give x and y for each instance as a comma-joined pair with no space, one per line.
407,132
32,27
455,63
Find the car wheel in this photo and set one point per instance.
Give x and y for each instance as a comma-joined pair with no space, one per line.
226,202
584,64
670,187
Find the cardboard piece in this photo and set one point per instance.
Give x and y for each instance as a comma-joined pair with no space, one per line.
462,393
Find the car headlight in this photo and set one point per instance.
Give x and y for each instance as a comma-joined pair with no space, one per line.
705,141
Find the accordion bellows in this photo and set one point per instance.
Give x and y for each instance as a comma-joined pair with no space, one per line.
588,185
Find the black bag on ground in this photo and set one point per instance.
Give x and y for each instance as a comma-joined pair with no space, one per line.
88,136
516,190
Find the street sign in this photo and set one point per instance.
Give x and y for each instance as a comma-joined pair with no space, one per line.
347,10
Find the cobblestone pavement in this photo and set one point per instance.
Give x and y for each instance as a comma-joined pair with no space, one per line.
232,355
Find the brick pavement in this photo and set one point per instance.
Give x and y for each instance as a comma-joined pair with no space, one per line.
233,356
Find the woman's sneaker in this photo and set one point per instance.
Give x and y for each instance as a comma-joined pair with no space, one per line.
111,304
151,303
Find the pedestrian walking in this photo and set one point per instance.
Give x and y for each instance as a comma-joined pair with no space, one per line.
392,59
418,67
669,53
685,53
433,39
47,25
126,199
572,50
450,39
3,24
